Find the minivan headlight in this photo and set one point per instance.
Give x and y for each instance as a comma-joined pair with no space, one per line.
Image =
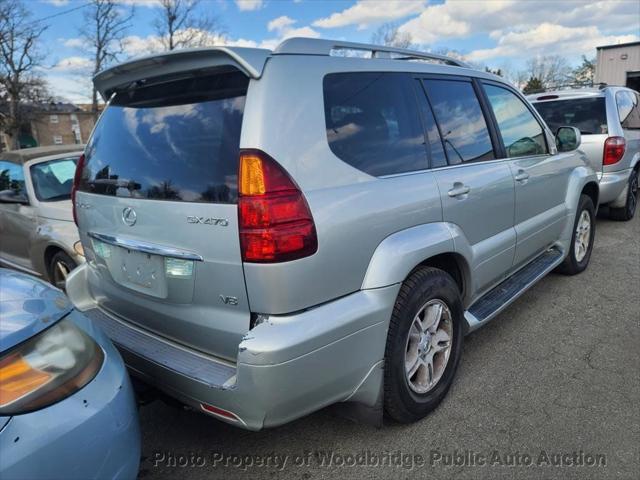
47,368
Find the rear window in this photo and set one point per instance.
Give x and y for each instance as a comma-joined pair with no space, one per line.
175,140
373,123
588,115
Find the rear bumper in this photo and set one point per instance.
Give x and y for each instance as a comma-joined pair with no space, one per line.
613,187
287,366
91,434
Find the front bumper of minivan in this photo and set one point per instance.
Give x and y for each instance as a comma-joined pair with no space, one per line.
287,366
613,187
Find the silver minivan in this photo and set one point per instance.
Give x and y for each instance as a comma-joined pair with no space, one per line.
609,120
271,232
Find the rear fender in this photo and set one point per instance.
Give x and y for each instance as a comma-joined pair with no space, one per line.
578,179
398,254
60,235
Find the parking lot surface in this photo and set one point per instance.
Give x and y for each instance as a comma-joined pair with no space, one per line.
549,389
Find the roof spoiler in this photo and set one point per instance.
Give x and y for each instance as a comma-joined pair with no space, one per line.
250,61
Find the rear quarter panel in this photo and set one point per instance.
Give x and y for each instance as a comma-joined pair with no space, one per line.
351,221
593,148
632,152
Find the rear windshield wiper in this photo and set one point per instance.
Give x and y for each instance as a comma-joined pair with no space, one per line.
114,182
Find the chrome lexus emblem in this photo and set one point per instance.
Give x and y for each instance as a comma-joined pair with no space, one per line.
129,216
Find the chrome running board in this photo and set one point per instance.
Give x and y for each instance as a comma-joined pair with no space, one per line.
501,296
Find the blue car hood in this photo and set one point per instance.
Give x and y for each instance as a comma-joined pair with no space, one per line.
27,306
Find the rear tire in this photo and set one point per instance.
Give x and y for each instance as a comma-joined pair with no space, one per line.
627,212
584,230
60,266
424,344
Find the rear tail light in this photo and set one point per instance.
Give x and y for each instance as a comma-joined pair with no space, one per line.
74,187
613,150
274,219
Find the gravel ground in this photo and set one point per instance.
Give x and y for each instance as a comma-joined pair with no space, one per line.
554,377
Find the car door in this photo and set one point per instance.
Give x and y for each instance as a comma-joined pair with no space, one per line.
540,178
17,218
476,189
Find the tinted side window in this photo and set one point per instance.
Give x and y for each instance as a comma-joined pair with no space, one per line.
11,177
434,142
521,133
461,121
628,109
373,123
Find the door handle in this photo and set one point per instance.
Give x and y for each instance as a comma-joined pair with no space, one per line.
458,190
521,176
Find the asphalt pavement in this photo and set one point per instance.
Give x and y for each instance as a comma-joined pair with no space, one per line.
549,389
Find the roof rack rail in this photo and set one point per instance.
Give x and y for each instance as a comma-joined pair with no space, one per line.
315,46
553,88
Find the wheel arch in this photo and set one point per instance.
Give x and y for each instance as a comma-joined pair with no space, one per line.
401,253
592,190
49,252
452,263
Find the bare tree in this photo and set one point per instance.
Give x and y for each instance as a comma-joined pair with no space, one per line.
19,58
585,73
550,70
105,26
390,35
179,25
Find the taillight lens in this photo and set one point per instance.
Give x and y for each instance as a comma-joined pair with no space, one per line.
274,219
74,187
613,150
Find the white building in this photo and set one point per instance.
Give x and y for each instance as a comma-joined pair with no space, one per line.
619,65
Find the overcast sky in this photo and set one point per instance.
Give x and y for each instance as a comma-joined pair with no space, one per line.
498,33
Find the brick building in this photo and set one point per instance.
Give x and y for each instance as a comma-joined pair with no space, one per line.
54,124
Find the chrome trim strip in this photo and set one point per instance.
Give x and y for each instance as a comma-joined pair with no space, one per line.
145,247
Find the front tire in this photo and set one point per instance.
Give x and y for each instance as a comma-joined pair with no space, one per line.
424,344
60,266
627,212
584,231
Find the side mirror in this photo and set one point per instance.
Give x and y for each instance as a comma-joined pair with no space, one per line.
13,196
568,139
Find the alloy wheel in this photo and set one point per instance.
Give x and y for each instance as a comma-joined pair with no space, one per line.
583,236
60,272
428,346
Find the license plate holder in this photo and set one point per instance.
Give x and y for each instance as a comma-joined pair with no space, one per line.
139,271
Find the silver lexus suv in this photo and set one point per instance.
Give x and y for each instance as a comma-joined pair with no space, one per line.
271,232
609,121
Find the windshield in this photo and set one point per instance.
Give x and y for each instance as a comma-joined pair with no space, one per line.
586,114
52,180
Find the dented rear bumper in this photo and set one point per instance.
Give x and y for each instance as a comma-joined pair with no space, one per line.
287,366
